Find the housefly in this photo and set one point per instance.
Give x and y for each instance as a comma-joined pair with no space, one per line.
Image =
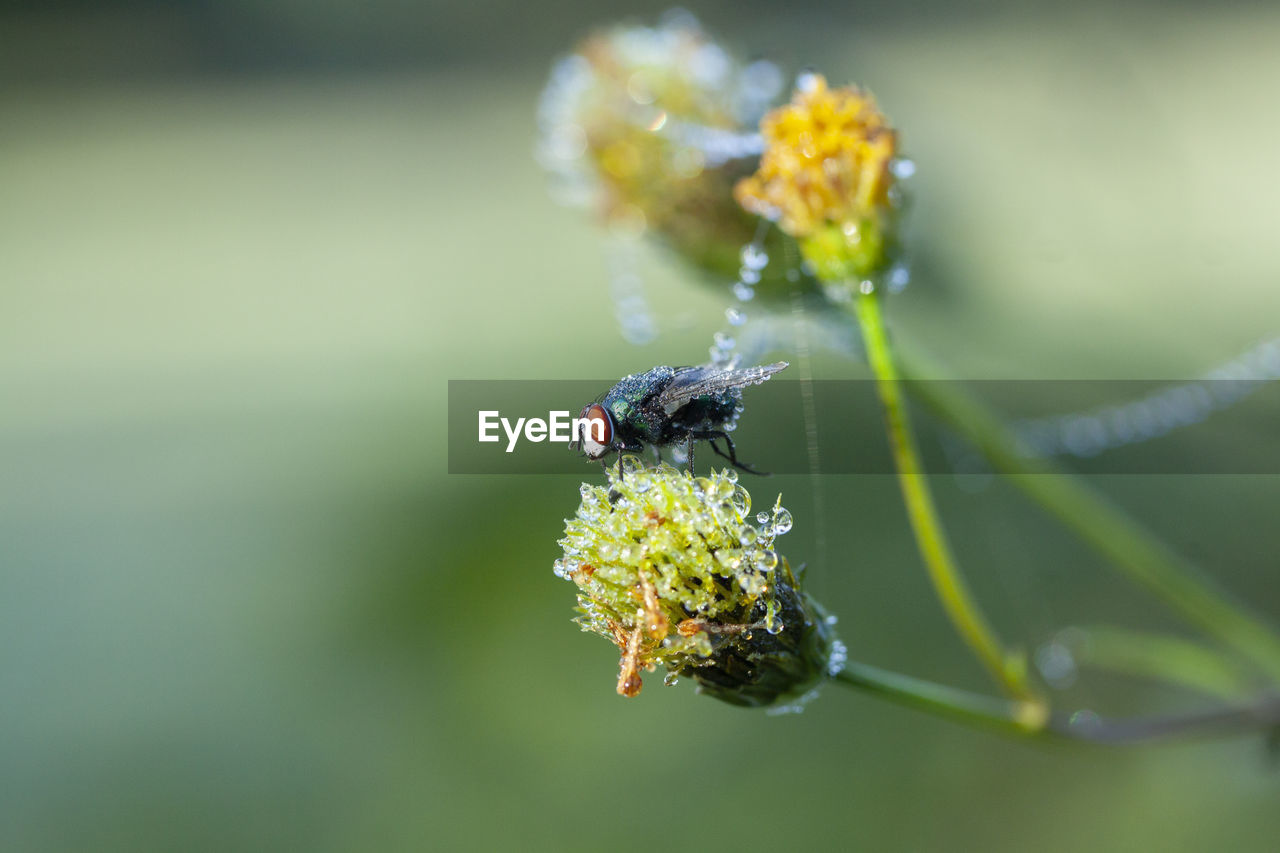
668,405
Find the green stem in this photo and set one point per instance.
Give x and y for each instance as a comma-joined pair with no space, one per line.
1104,526
1017,717
1029,719
948,582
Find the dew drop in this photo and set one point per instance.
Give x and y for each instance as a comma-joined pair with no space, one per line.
839,656
754,257
639,88
730,558
781,521
899,276
807,81
743,292
903,168
735,316
1084,719
1056,664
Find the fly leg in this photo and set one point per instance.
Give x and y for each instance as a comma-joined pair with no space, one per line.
622,472
689,450
732,455
620,448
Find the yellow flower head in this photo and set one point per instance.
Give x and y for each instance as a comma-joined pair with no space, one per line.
825,178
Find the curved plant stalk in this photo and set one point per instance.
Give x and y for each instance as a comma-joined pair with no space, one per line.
1030,718
1107,528
952,590
1019,717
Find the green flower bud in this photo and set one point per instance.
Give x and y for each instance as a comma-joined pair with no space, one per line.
670,568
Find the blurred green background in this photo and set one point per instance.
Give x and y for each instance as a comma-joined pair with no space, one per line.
243,246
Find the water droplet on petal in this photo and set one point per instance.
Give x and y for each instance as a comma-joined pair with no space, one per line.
781,521
730,558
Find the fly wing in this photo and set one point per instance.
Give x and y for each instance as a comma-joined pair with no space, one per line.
691,382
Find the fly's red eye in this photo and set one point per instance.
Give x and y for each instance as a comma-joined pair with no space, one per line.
599,425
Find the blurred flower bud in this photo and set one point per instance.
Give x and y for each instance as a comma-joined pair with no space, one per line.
652,127
825,177
670,568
